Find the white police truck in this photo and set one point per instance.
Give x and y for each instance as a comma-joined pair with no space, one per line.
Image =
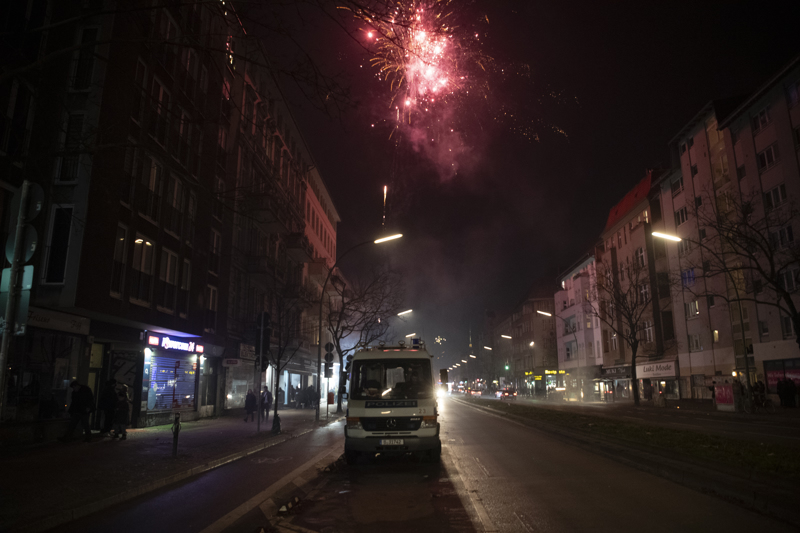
392,403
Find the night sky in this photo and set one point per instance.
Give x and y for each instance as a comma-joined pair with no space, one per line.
630,75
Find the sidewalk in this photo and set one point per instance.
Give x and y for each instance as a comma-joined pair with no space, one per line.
55,483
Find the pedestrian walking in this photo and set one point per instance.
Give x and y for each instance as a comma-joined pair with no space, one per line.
266,404
250,405
713,389
108,404
791,392
80,408
782,392
122,415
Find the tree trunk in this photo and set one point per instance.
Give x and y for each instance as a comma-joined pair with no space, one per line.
634,380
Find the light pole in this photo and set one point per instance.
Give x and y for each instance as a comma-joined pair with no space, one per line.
322,301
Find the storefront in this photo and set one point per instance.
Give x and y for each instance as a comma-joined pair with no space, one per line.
659,378
615,381
554,383
170,378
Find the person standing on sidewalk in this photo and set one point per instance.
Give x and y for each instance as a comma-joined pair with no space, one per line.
738,395
250,405
108,404
121,416
266,404
79,410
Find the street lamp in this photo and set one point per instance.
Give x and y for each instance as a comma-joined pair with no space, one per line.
543,313
487,348
410,335
473,356
506,336
404,312
322,301
463,360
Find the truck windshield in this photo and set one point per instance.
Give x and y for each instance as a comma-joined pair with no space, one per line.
391,379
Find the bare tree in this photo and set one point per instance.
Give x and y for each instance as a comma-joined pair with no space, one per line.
623,302
358,313
749,243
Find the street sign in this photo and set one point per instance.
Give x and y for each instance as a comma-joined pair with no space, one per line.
28,247
328,357
329,347
231,362
27,280
35,202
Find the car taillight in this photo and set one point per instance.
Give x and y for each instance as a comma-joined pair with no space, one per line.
354,423
515,394
428,422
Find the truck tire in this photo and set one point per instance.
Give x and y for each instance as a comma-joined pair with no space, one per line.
350,456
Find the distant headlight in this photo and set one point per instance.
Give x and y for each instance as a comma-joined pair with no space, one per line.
441,393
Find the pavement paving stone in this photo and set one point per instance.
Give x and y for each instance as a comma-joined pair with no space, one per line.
57,480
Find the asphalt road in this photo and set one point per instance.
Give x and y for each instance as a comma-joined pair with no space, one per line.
495,475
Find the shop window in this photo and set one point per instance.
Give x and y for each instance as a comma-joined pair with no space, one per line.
118,263
58,244
172,382
142,270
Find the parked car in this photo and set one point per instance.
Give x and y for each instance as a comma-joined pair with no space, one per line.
507,394
473,392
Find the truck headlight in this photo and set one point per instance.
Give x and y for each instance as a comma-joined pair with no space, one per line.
354,423
428,422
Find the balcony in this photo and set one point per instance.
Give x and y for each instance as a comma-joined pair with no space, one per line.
299,248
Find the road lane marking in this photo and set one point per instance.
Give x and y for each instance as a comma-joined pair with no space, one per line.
485,471
480,510
256,501
523,522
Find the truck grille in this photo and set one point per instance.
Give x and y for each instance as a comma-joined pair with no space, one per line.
391,424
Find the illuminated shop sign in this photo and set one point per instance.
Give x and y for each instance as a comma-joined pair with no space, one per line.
172,343
551,371
537,378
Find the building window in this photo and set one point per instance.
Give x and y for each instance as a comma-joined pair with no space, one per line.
83,62
58,244
211,309
677,186
710,300
644,293
73,141
684,247
788,279
681,216
118,264
183,293
214,252
793,93
775,197
690,142
763,328
694,170
702,234
149,194
761,120
167,280
687,277
218,202
640,257
741,172
142,271
159,112
768,157
787,326
782,238
139,91
716,336
614,341
694,343
692,309
647,331
606,344
174,206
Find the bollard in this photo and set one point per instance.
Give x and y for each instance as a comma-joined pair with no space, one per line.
276,425
176,428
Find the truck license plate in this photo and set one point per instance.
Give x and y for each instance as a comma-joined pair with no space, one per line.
391,442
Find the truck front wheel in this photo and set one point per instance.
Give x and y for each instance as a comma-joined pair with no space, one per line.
350,456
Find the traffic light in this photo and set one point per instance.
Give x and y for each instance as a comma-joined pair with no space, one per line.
506,366
348,363
329,360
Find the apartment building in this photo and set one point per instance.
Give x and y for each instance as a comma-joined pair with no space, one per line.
177,206
629,306
579,334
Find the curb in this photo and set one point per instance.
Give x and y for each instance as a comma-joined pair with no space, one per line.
776,502
67,516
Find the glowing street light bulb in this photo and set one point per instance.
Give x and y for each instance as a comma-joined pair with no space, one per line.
543,313
531,344
463,360
665,236
505,336
389,238
410,335
404,312
473,356
487,348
